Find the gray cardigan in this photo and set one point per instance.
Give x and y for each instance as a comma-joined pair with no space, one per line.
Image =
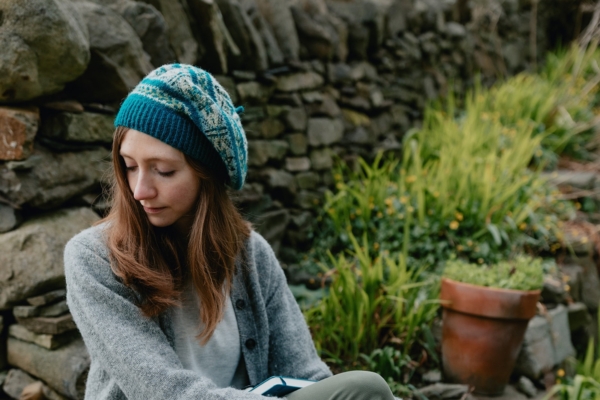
133,357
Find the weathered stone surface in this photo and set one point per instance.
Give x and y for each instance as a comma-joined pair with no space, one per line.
308,200
32,255
433,376
578,316
321,159
8,218
47,298
327,107
279,16
525,386
443,391
553,291
279,179
271,128
179,31
64,369
297,164
85,127
308,180
271,225
298,143
274,53
44,45
19,385
324,131
299,81
323,34
118,59
572,179
296,119
18,127
254,92
151,28
561,334
52,310
261,151
574,276
46,180
253,54
49,325
537,353
213,33
47,341
590,287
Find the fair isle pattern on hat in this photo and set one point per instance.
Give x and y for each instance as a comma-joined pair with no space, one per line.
165,102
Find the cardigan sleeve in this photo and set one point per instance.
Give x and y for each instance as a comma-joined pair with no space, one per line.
291,348
125,345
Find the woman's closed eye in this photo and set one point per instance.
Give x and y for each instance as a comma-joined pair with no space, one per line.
130,168
166,173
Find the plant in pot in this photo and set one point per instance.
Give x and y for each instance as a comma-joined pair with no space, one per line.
486,309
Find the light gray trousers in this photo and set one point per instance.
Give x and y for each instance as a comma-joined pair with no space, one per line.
353,385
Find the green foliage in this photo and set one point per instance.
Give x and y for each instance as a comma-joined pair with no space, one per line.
372,302
521,273
590,367
581,388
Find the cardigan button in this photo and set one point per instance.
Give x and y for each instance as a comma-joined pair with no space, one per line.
250,344
240,304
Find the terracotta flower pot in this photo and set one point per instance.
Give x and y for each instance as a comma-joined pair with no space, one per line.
482,333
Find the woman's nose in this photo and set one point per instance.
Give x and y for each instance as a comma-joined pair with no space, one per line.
143,188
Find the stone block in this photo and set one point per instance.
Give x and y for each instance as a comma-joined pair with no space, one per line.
297,164
324,131
271,128
271,225
299,81
578,316
32,255
572,179
49,325
537,353
308,180
44,340
308,200
298,143
574,280
261,151
8,218
590,283
278,179
327,108
253,92
52,310
561,334
18,127
442,391
64,369
83,128
553,291
47,298
321,159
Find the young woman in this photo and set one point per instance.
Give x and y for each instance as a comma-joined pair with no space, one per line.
174,294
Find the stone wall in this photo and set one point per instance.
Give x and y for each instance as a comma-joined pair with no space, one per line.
319,80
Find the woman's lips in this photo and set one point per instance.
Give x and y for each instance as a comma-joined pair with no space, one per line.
153,210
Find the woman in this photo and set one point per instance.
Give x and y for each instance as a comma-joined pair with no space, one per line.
174,295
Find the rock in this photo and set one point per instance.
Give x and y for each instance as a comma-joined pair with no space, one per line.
271,225
553,291
46,180
44,45
572,179
590,288
316,34
444,391
179,30
254,92
321,159
299,81
358,136
214,35
47,298
118,60
327,107
433,376
577,240
298,143
308,200
49,325
271,128
52,310
356,118
296,119
8,218
312,97
574,277
578,316
279,16
85,127
297,164
274,53
18,127
537,353
32,255
19,385
561,334
64,369
308,180
324,131
261,151
455,30
151,27
44,340
276,111
65,105
525,386
510,393
279,179
253,54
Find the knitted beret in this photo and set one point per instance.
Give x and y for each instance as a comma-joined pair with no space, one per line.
186,108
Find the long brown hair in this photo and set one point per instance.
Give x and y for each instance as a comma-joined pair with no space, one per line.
156,263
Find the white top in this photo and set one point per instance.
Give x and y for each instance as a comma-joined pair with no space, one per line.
220,359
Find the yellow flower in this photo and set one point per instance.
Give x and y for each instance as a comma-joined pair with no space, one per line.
436,194
390,211
388,202
454,225
352,216
337,177
560,373
469,243
460,247
459,216
358,212
411,179
371,206
410,209
567,288
379,214
522,226
480,260
577,205
400,216
403,199
376,246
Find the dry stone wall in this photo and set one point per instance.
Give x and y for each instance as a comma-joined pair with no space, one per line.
319,80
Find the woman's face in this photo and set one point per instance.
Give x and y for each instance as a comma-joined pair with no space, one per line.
160,179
